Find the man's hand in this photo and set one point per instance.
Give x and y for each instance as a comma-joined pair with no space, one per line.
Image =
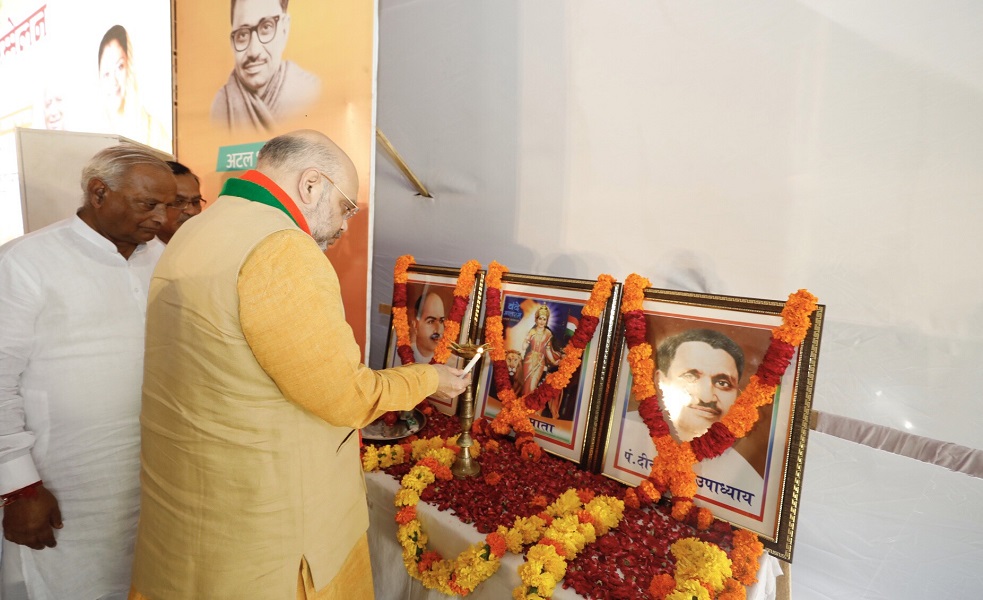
450,383
31,521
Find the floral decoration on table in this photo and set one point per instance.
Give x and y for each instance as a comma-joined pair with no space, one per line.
570,524
672,469
513,494
557,533
452,324
515,411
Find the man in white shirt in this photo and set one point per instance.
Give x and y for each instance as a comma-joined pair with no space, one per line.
73,300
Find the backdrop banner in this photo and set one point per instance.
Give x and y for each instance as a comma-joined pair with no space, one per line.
250,73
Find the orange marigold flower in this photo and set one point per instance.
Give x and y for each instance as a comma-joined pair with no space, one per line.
733,590
492,446
585,517
494,276
795,318
493,478
585,495
442,472
648,491
465,282
704,519
456,588
405,515
496,544
538,501
662,585
634,292
530,450
427,559
402,264
599,296
631,498
557,545
441,353
681,508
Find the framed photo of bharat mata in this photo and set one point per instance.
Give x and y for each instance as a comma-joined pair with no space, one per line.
541,318
711,356
430,307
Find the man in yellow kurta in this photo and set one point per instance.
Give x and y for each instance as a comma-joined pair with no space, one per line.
253,391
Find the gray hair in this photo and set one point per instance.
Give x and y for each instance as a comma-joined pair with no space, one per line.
111,164
290,152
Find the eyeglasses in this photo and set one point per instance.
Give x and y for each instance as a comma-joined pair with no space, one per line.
351,210
184,204
265,31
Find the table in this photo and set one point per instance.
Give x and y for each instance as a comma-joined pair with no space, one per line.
449,536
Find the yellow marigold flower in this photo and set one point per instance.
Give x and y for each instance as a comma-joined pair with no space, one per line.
566,502
513,539
370,462
406,497
689,590
412,534
698,560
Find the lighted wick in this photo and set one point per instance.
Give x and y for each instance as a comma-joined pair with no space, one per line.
474,361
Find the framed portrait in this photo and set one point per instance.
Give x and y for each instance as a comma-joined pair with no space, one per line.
706,348
429,298
539,316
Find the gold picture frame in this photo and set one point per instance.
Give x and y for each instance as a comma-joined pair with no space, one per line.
756,483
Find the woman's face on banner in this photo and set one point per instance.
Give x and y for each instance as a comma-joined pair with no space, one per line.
114,70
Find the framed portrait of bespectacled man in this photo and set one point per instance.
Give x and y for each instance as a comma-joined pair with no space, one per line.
706,348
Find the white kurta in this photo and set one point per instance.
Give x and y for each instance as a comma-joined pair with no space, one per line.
72,317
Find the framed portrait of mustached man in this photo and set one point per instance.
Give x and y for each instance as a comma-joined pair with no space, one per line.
429,304
540,317
706,348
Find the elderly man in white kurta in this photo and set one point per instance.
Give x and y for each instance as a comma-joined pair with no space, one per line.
72,312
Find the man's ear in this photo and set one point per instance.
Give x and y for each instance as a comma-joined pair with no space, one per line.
308,180
96,189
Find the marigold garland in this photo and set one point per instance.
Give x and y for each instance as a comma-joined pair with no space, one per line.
452,324
672,469
559,532
579,519
515,411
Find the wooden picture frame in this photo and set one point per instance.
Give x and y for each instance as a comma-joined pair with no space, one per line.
756,483
569,427
431,289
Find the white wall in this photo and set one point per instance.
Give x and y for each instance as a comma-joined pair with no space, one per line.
746,148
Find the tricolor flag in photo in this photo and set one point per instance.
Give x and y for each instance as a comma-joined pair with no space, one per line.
572,323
